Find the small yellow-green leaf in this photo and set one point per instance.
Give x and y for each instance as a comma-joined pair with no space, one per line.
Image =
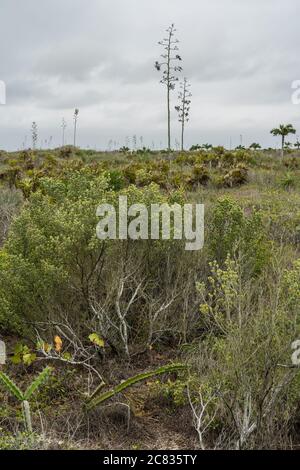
16,359
67,356
29,359
18,348
95,339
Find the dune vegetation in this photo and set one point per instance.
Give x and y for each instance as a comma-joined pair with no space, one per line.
135,344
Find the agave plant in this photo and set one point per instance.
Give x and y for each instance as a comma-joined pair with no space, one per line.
24,398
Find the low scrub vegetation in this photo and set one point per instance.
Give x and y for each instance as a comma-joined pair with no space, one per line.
131,329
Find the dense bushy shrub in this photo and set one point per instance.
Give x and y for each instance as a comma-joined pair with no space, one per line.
66,152
199,175
54,266
232,232
116,179
240,363
236,177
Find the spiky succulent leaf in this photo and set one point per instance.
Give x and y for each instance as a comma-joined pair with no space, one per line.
41,378
11,386
97,400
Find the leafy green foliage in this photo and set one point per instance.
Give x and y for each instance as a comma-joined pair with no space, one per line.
232,232
22,354
95,339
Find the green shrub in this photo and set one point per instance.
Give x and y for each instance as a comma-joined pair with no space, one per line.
287,182
231,232
22,441
53,262
292,163
116,180
199,175
236,177
66,152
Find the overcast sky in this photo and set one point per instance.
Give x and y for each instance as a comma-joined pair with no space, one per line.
240,57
